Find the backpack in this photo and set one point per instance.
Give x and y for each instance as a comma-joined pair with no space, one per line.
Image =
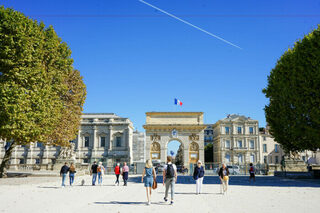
251,169
170,171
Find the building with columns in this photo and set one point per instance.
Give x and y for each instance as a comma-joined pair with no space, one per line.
102,137
236,140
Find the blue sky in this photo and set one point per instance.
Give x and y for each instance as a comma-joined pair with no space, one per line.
134,59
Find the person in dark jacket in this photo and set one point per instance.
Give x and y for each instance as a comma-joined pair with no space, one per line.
224,178
63,172
94,172
198,175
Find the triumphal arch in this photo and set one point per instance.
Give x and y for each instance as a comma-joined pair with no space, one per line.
185,127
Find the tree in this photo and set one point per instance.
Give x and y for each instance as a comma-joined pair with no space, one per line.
208,153
35,74
293,112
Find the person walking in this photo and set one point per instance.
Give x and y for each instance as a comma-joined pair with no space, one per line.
169,178
148,176
125,173
94,172
198,175
224,178
63,173
117,173
72,171
101,170
252,173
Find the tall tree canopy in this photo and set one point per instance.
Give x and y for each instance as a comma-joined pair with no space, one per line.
293,90
41,95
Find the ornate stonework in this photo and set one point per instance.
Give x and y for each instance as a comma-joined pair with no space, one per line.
155,137
194,137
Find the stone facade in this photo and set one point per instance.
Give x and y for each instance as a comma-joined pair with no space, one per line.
185,127
236,140
139,146
102,137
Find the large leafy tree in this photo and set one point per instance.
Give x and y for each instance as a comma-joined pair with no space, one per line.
36,74
293,90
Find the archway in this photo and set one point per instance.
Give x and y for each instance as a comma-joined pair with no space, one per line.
175,150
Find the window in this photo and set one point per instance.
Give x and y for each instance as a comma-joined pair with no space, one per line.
277,159
239,129
240,158
264,138
102,141
39,145
251,144
265,159
252,158
21,161
227,158
239,143
227,129
264,147
86,141
304,158
270,159
37,161
227,144
86,160
251,130
276,148
118,141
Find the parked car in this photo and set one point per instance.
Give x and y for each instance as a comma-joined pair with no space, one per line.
234,170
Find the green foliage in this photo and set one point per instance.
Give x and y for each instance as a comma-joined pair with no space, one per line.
293,89
208,153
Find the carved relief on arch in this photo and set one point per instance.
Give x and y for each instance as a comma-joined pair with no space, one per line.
155,137
193,137
194,147
155,147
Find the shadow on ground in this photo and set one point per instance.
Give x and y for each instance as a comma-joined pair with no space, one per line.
244,181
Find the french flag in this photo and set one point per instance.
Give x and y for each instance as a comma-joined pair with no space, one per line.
177,102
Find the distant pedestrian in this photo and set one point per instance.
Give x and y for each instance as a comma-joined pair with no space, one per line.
72,171
169,178
198,175
125,173
63,173
148,180
101,170
224,178
94,172
117,173
252,173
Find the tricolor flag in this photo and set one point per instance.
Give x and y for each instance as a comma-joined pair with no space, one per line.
177,102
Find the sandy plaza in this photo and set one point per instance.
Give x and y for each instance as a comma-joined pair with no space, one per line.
268,194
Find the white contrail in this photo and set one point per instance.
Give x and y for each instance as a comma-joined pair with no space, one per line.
173,16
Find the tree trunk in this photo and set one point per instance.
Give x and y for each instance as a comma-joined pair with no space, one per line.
5,160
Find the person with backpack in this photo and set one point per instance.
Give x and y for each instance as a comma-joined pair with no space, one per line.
63,173
198,175
224,178
169,178
252,173
72,171
117,173
125,173
100,171
148,177
93,172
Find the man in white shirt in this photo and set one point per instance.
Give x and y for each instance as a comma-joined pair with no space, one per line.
169,178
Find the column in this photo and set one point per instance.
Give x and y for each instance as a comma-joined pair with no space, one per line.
95,143
78,145
110,138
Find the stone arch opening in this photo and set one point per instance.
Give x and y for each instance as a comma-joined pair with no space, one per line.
175,149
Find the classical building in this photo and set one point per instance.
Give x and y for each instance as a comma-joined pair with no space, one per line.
139,146
184,127
272,153
102,137
236,140
208,135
